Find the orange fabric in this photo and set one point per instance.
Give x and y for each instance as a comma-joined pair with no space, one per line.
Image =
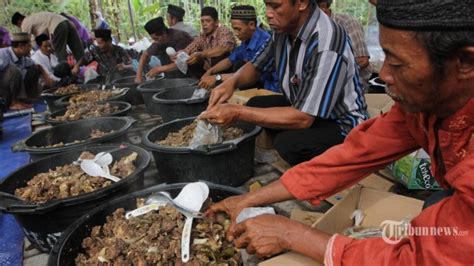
374,144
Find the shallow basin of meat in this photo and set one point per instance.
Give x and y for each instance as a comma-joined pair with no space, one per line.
87,110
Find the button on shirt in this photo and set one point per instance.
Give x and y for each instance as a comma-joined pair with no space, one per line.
247,51
317,72
47,62
8,57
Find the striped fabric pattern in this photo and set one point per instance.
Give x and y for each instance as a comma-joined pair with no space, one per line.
323,80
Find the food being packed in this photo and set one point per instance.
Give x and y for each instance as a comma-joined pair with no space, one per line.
183,137
155,239
69,180
69,89
92,96
87,110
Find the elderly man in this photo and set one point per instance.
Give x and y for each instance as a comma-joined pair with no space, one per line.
60,28
244,23
174,17
317,73
356,32
111,58
162,38
214,44
19,75
429,71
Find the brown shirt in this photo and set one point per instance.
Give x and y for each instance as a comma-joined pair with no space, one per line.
222,37
176,38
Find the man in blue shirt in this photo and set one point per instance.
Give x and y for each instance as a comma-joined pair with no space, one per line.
244,24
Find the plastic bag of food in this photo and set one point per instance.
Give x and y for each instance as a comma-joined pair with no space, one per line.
90,74
181,59
199,93
206,133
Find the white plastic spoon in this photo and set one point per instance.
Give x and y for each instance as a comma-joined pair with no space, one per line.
93,169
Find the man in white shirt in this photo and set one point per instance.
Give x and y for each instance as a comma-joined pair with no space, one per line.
174,18
44,56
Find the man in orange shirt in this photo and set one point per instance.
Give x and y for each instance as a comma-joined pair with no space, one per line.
429,72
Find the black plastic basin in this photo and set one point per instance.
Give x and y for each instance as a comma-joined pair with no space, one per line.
50,98
133,97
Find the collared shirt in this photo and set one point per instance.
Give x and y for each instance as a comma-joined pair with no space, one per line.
373,145
356,32
41,22
177,39
247,50
221,37
107,61
8,57
186,28
47,62
318,73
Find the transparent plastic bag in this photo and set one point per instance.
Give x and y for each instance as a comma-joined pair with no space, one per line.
205,134
199,93
90,74
181,59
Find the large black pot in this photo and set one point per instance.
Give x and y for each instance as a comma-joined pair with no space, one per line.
69,132
44,223
64,101
149,88
124,107
229,163
69,245
177,103
50,98
134,97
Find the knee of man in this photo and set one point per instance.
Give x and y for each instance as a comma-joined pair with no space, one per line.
285,146
13,72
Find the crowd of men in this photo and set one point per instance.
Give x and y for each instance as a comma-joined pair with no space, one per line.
319,61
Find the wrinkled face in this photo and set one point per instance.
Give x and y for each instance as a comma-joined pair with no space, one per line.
282,15
242,30
409,73
103,44
46,47
208,24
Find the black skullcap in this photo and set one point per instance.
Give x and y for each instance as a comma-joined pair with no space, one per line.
329,2
155,26
176,11
210,11
21,37
41,38
426,14
105,34
16,17
243,12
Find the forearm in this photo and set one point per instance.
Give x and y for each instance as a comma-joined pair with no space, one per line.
214,52
276,117
269,194
169,67
221,66
307,241
143,59
246,75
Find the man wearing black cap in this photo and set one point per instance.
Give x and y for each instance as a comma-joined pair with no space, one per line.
110,58
62,32
214,44
175,16
162,38
19,75
244,23
429,72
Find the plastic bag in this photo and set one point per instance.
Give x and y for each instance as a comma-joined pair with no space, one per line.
205,134
90,74
181,59
199,93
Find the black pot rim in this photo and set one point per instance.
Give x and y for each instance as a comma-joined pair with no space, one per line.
142,89
44,94
204,150
57,249
156,97
86,197
64,100
126,107
129,121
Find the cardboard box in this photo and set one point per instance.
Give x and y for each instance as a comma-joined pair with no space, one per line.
377,207
413,171
241,97
378,103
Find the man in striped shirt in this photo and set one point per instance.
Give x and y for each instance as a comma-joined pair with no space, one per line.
323,99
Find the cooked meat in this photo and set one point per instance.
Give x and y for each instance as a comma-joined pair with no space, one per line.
91,96
95,133
183,137
155,239
73,88
87,110
69,180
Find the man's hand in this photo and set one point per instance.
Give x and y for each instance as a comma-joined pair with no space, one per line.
49,81
139,78
220,94
222,114
194,58
207,82
232,206
120,67
154,71
267,235
75,70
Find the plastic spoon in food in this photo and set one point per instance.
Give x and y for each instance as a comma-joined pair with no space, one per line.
93,169
103,158
192,196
